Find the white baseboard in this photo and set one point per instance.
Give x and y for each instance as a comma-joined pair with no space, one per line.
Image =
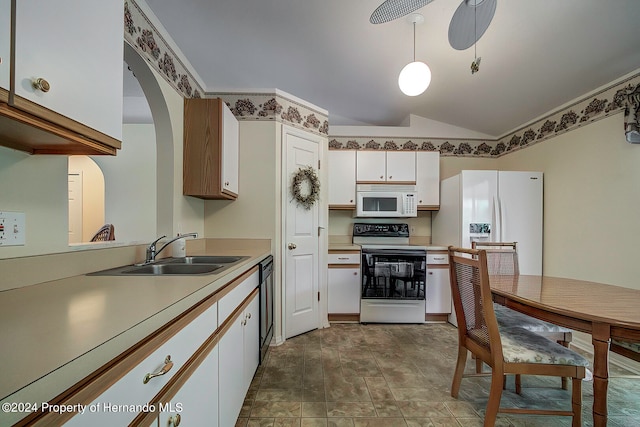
615,359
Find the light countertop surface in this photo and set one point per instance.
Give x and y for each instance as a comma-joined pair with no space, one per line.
55,333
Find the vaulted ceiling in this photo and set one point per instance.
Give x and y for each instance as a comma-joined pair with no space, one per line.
536,56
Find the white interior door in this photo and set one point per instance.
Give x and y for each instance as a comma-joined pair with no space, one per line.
301,244
75,207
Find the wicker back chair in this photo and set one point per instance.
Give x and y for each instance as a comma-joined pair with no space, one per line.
105,233
507,350
502,260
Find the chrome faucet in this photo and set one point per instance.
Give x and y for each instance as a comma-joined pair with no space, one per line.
151,249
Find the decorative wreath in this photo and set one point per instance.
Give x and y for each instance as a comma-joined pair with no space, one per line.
306,175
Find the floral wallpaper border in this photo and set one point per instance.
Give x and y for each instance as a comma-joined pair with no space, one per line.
273,106
621,97
145,38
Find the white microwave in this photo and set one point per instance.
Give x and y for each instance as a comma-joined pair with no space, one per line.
386,201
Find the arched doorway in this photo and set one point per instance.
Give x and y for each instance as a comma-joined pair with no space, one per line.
127,196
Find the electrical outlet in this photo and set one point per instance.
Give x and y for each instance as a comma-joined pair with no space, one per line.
12,228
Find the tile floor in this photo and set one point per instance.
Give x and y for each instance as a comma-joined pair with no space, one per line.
399,375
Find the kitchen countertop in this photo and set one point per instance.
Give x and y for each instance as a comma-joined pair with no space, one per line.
56,333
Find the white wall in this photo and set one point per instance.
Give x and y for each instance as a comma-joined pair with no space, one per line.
253,214
37,186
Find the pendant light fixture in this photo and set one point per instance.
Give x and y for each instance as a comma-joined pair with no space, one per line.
415,77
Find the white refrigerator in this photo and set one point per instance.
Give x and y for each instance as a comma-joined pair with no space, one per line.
493,206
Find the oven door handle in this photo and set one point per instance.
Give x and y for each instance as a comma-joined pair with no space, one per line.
394,252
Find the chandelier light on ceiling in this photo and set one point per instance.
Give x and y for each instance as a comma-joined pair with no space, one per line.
415,77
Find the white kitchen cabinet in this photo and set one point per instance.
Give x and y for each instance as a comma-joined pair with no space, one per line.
230,151
239,353
438,291
386,166
344,290
342,179
251,341
76,49
5,48
401,166
131,389
343,287
211,150
196,402
371,166
428,179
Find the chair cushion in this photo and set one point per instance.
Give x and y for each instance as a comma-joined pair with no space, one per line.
511,318
633,346
522,345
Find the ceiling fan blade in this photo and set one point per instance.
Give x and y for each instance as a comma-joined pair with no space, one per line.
469,22
394,9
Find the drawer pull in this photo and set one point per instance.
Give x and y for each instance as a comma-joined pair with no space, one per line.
343,257
168,364
174,421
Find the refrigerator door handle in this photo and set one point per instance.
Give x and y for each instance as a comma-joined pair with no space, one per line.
503,221
497,221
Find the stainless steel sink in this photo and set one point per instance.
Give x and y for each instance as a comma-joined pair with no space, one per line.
160,269
204,259
156,269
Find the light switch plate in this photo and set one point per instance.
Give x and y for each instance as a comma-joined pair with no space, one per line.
12,228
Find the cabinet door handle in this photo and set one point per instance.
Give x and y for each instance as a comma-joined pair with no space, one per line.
355,273
174,421
249,315
168,364
390,177
381,176
41,84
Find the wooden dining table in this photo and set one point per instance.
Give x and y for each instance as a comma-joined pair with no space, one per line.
604,311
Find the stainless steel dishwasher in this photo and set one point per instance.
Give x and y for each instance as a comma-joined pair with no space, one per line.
266,305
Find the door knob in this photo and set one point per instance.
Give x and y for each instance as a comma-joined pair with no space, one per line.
41,84
292,246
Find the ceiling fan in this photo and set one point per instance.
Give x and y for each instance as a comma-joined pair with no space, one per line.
468,24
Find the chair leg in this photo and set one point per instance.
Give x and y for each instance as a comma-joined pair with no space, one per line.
564,380
495,393
576,402
518,384
479,364
457,375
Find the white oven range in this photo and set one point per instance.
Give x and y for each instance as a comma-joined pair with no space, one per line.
393,274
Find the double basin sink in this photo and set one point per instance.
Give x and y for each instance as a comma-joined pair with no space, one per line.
186,266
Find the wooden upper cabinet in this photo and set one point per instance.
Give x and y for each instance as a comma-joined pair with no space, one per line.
211,150
65,96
